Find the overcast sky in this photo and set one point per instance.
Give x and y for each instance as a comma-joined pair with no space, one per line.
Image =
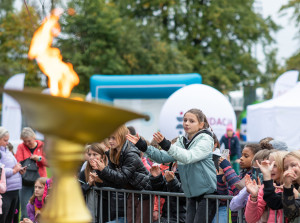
286,43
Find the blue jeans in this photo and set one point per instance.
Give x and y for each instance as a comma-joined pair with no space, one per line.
222,215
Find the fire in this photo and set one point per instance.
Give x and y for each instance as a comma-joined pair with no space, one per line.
62,77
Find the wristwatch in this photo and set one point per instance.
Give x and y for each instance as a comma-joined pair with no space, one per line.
40,159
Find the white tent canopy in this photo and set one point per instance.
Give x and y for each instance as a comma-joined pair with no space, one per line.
278,118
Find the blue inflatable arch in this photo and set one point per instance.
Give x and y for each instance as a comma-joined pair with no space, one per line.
110,87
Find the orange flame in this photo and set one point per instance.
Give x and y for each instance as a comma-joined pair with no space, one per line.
62,77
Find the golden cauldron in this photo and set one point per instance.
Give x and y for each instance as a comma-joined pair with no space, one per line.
68,125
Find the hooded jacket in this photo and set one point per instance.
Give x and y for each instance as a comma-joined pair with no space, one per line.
195,165
231,143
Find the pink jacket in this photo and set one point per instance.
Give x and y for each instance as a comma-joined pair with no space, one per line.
255,210
144,160
2,187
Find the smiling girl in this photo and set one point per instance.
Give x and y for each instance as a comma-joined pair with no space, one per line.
195,165
267,195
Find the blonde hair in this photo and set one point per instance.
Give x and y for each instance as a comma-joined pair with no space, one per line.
295,154
3,132
120,135
278,156
27,132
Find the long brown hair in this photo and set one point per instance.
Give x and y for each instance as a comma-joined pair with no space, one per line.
97,148
120,135
200,116
41,180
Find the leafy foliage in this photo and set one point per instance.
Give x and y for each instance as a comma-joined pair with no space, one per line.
16,31
213,38
98,40
218,36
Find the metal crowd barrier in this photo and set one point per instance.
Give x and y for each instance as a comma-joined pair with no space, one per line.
97,201
97,196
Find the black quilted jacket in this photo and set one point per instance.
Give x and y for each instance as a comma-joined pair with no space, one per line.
130,173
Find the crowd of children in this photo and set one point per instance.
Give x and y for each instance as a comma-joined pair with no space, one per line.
264,187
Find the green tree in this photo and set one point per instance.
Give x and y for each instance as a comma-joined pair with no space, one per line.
6,6
218,36
273,70
97,40
293,63
16,32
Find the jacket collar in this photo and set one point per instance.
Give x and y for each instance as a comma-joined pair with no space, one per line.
187,142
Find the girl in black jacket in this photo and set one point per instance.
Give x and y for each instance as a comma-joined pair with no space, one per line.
89,178
128,171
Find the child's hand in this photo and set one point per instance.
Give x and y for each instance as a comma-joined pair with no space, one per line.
221,159
220,172
158,137
252,187
97,164
280,187
91,180
155,171
266,168
95,177
169,175
288,177
174,167
132,138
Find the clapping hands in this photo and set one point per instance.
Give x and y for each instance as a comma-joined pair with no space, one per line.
158,137
97,164
133,138
252,186
169,175
266,167
155,171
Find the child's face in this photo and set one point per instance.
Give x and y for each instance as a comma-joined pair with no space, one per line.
275,173
113,142
191,124
229,133
93,155
38,190
292,163
246,159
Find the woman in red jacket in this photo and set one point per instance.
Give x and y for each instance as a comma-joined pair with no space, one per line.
32,149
